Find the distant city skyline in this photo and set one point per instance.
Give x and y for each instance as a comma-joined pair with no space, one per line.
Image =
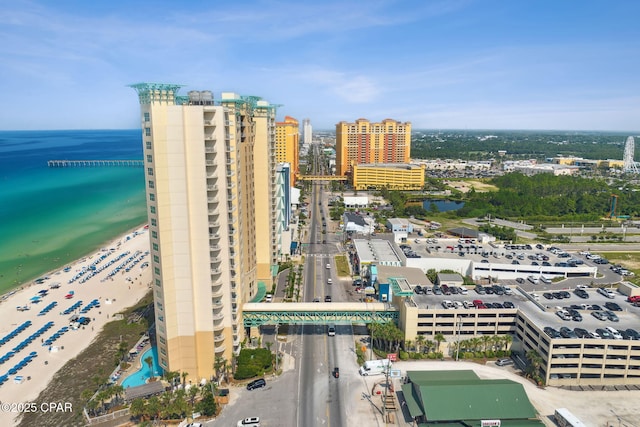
454,64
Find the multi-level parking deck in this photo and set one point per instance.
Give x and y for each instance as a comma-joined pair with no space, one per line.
566,361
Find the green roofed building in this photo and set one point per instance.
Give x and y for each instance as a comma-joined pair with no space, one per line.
462,398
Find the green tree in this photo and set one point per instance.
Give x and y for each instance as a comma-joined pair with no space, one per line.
439,338
207,406
149,361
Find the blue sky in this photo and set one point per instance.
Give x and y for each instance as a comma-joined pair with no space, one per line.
452,64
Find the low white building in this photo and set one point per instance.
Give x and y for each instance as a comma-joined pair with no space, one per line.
356,201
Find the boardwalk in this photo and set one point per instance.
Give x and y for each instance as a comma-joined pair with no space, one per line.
92,163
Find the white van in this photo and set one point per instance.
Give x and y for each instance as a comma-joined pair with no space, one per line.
545,280
375,367
249,422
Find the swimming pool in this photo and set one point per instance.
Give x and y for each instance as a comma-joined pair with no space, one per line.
143,374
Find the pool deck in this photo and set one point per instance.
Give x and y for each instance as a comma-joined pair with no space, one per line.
142,346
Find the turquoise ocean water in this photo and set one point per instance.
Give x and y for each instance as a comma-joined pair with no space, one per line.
52,216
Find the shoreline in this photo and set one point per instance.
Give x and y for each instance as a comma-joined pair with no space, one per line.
104,278
48,273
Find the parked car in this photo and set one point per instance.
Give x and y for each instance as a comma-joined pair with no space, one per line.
613,306
581,293
611,316
600,315
508,304
249,422
504,362
259,383
581,333
606,292
551,332
604,334
567,332
614,332
635,335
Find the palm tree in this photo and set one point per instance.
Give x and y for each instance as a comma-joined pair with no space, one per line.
154,407
171,376
184,377
506,341
420,341
149,361
138,407
475,342
486,340
535,361
439,339
408,344
219,364
117,391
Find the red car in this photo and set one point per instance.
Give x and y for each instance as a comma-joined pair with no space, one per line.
68,296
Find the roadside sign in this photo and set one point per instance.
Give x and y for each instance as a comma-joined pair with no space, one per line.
395,373
391,357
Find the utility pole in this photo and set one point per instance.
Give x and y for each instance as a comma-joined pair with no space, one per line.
458,338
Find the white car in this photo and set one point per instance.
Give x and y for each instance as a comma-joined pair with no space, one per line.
329,281
328,266
616,335
463,290
447,304
607,293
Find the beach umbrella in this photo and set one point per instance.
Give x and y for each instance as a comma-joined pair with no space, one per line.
36,298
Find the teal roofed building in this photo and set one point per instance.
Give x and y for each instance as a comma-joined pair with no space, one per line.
462,398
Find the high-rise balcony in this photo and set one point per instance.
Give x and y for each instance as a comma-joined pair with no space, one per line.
216,271
214,248
212,187
210,149
217,327
219,349
217,305
218,317
209,137
218,293
218,338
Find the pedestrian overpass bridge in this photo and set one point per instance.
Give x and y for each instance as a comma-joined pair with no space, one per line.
317,313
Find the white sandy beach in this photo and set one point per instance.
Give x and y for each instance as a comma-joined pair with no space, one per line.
122,290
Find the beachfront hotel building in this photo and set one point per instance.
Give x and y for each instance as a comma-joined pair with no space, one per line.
307,132
287,145
364,142
207,170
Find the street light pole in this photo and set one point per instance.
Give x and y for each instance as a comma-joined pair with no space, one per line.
458,339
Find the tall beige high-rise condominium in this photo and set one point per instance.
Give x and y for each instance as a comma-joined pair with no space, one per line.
307,132
287,145
201,162
364,142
